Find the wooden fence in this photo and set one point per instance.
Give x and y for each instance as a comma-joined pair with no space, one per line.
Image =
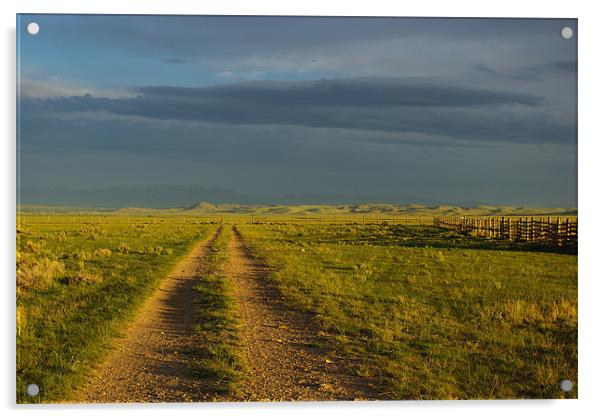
559,232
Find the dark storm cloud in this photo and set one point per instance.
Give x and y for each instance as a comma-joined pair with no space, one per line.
357,92
185,36
174,61
534,72
565,65
372,104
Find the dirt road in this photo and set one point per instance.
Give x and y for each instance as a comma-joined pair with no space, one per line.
152,362
287,359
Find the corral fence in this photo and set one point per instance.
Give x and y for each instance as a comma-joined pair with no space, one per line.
560,232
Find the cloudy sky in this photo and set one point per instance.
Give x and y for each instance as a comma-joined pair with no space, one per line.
455,110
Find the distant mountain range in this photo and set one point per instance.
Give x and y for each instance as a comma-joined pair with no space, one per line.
203,200
165,196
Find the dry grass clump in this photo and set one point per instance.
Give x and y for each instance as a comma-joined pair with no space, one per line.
81,255
103,252
91,232
81,276
38,273
123,248
34,247
157,250
520,311
61,236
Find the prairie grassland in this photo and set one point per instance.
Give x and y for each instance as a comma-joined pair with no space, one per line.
78,280
434,314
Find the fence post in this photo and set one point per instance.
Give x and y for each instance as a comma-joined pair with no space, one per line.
502,227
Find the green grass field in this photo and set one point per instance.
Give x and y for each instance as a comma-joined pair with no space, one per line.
436,315
78,280
220,364
432,314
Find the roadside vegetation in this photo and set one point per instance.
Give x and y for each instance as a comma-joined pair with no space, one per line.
221,362
79,278
433,314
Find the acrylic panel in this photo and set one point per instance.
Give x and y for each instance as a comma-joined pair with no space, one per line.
273,208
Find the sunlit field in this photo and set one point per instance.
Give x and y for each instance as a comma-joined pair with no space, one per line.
434,314
429,313
78,279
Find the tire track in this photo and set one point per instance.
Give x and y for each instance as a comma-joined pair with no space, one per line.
153,360
286,357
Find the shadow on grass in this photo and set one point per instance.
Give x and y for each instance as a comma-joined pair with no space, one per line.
429,236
